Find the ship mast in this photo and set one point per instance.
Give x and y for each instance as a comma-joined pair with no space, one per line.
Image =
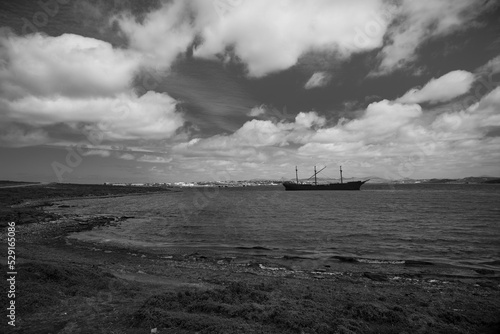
341,174
315,181
316,173
296,175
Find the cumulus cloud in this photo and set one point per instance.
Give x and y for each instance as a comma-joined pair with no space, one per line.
101,153
471,123
166,33
380,122
442,89
125,116
309,119
386,134
82,82
384,117
399,140
256,111
314,25
162,35
70,65
261,133
126,156
258,133
293,28
389,139
318,79
41,88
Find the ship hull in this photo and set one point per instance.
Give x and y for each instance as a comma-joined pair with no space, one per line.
331,186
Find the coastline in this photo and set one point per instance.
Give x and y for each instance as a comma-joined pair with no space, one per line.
67,286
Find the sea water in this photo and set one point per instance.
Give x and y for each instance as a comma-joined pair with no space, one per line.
453,224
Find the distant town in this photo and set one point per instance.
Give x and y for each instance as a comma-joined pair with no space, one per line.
253,183
183,184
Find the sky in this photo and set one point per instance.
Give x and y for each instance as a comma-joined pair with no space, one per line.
96,91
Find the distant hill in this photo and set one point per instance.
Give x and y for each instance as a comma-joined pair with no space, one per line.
439,181
465,180
481,179
376,179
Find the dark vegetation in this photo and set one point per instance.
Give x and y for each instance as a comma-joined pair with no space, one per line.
43,285
484,179
293,306
12,196
42,195
51,297
82,298
6,183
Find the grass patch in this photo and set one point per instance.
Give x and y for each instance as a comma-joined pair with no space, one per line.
240,307
297,307
42,285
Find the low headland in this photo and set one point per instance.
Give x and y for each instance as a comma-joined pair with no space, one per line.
68,286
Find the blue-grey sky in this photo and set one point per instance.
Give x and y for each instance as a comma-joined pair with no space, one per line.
161,91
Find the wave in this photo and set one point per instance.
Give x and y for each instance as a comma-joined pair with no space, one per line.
254,247
492,263
294,257
382,261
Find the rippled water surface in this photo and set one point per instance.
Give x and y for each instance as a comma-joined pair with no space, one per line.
453,224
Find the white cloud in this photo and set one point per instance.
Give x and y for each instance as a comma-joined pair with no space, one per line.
41,88
309,119
259,133
81,82
154,159
126,156
473,122
385,117
383,140
101,153
421,20
125,116
318,79
491,67
256,111
166,33
162,35
381,122
390,139
69,65
291,28
271,36
442,89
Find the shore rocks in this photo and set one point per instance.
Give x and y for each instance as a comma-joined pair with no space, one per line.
376,276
